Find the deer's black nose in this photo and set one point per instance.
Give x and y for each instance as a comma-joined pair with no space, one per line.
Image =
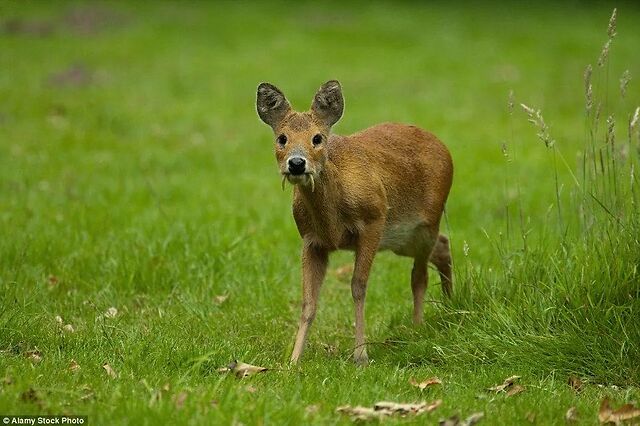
296,165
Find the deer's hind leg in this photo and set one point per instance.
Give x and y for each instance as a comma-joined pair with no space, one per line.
441,258
419,281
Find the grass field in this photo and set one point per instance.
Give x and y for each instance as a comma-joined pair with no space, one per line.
135,174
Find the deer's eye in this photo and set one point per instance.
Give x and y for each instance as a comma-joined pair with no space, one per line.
282,139
317,139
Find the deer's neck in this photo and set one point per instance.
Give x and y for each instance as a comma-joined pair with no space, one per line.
321,207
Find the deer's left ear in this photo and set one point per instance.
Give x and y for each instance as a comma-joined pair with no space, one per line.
271,104
328,104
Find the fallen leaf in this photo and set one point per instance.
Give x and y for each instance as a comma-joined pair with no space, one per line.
221,299
401,408
251,389
330,349
35,356
74,366
608,415
53,280
514,390
425,383
110,371
362,413
455,420
166,387
7,380
571,415
214,403
575,383
531,417
242,369
473,418
180,399
111,312
451,421
509,381
386,408
69,328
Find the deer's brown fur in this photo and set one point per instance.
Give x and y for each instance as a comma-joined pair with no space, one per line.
383,188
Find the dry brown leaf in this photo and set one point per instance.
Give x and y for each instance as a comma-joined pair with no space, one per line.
111,312
242,369
362,413
386,408
531,417
509,381
451,421
435,404
74,366
35,356
571,415
473,418
330,349
220,299
110,371
514,390
214,403
455,420
395,407
425,383
608,415
575,383
180,399
251,389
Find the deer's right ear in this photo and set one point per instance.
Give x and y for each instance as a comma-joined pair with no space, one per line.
271,104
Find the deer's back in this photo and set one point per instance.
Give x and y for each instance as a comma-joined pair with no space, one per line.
402,166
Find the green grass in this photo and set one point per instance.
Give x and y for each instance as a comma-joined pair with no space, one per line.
152,188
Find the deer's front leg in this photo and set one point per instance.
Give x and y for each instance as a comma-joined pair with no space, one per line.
314,266
366,249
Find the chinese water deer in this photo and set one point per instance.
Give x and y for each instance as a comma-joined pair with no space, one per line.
383,188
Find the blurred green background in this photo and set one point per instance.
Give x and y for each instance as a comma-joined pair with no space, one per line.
134,172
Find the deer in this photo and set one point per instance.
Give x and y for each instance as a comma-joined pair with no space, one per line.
382,188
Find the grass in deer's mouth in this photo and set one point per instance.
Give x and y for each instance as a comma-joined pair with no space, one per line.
126,185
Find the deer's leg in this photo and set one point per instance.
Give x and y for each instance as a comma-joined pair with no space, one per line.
314,266
441,258
366,249
419,281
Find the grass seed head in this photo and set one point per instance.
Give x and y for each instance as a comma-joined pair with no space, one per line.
536,118
634,119
604,55
611,29
624,82
611,130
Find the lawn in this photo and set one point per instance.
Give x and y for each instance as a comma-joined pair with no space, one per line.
136,175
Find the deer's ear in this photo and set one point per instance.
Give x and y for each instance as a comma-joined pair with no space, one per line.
271,104
328,103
